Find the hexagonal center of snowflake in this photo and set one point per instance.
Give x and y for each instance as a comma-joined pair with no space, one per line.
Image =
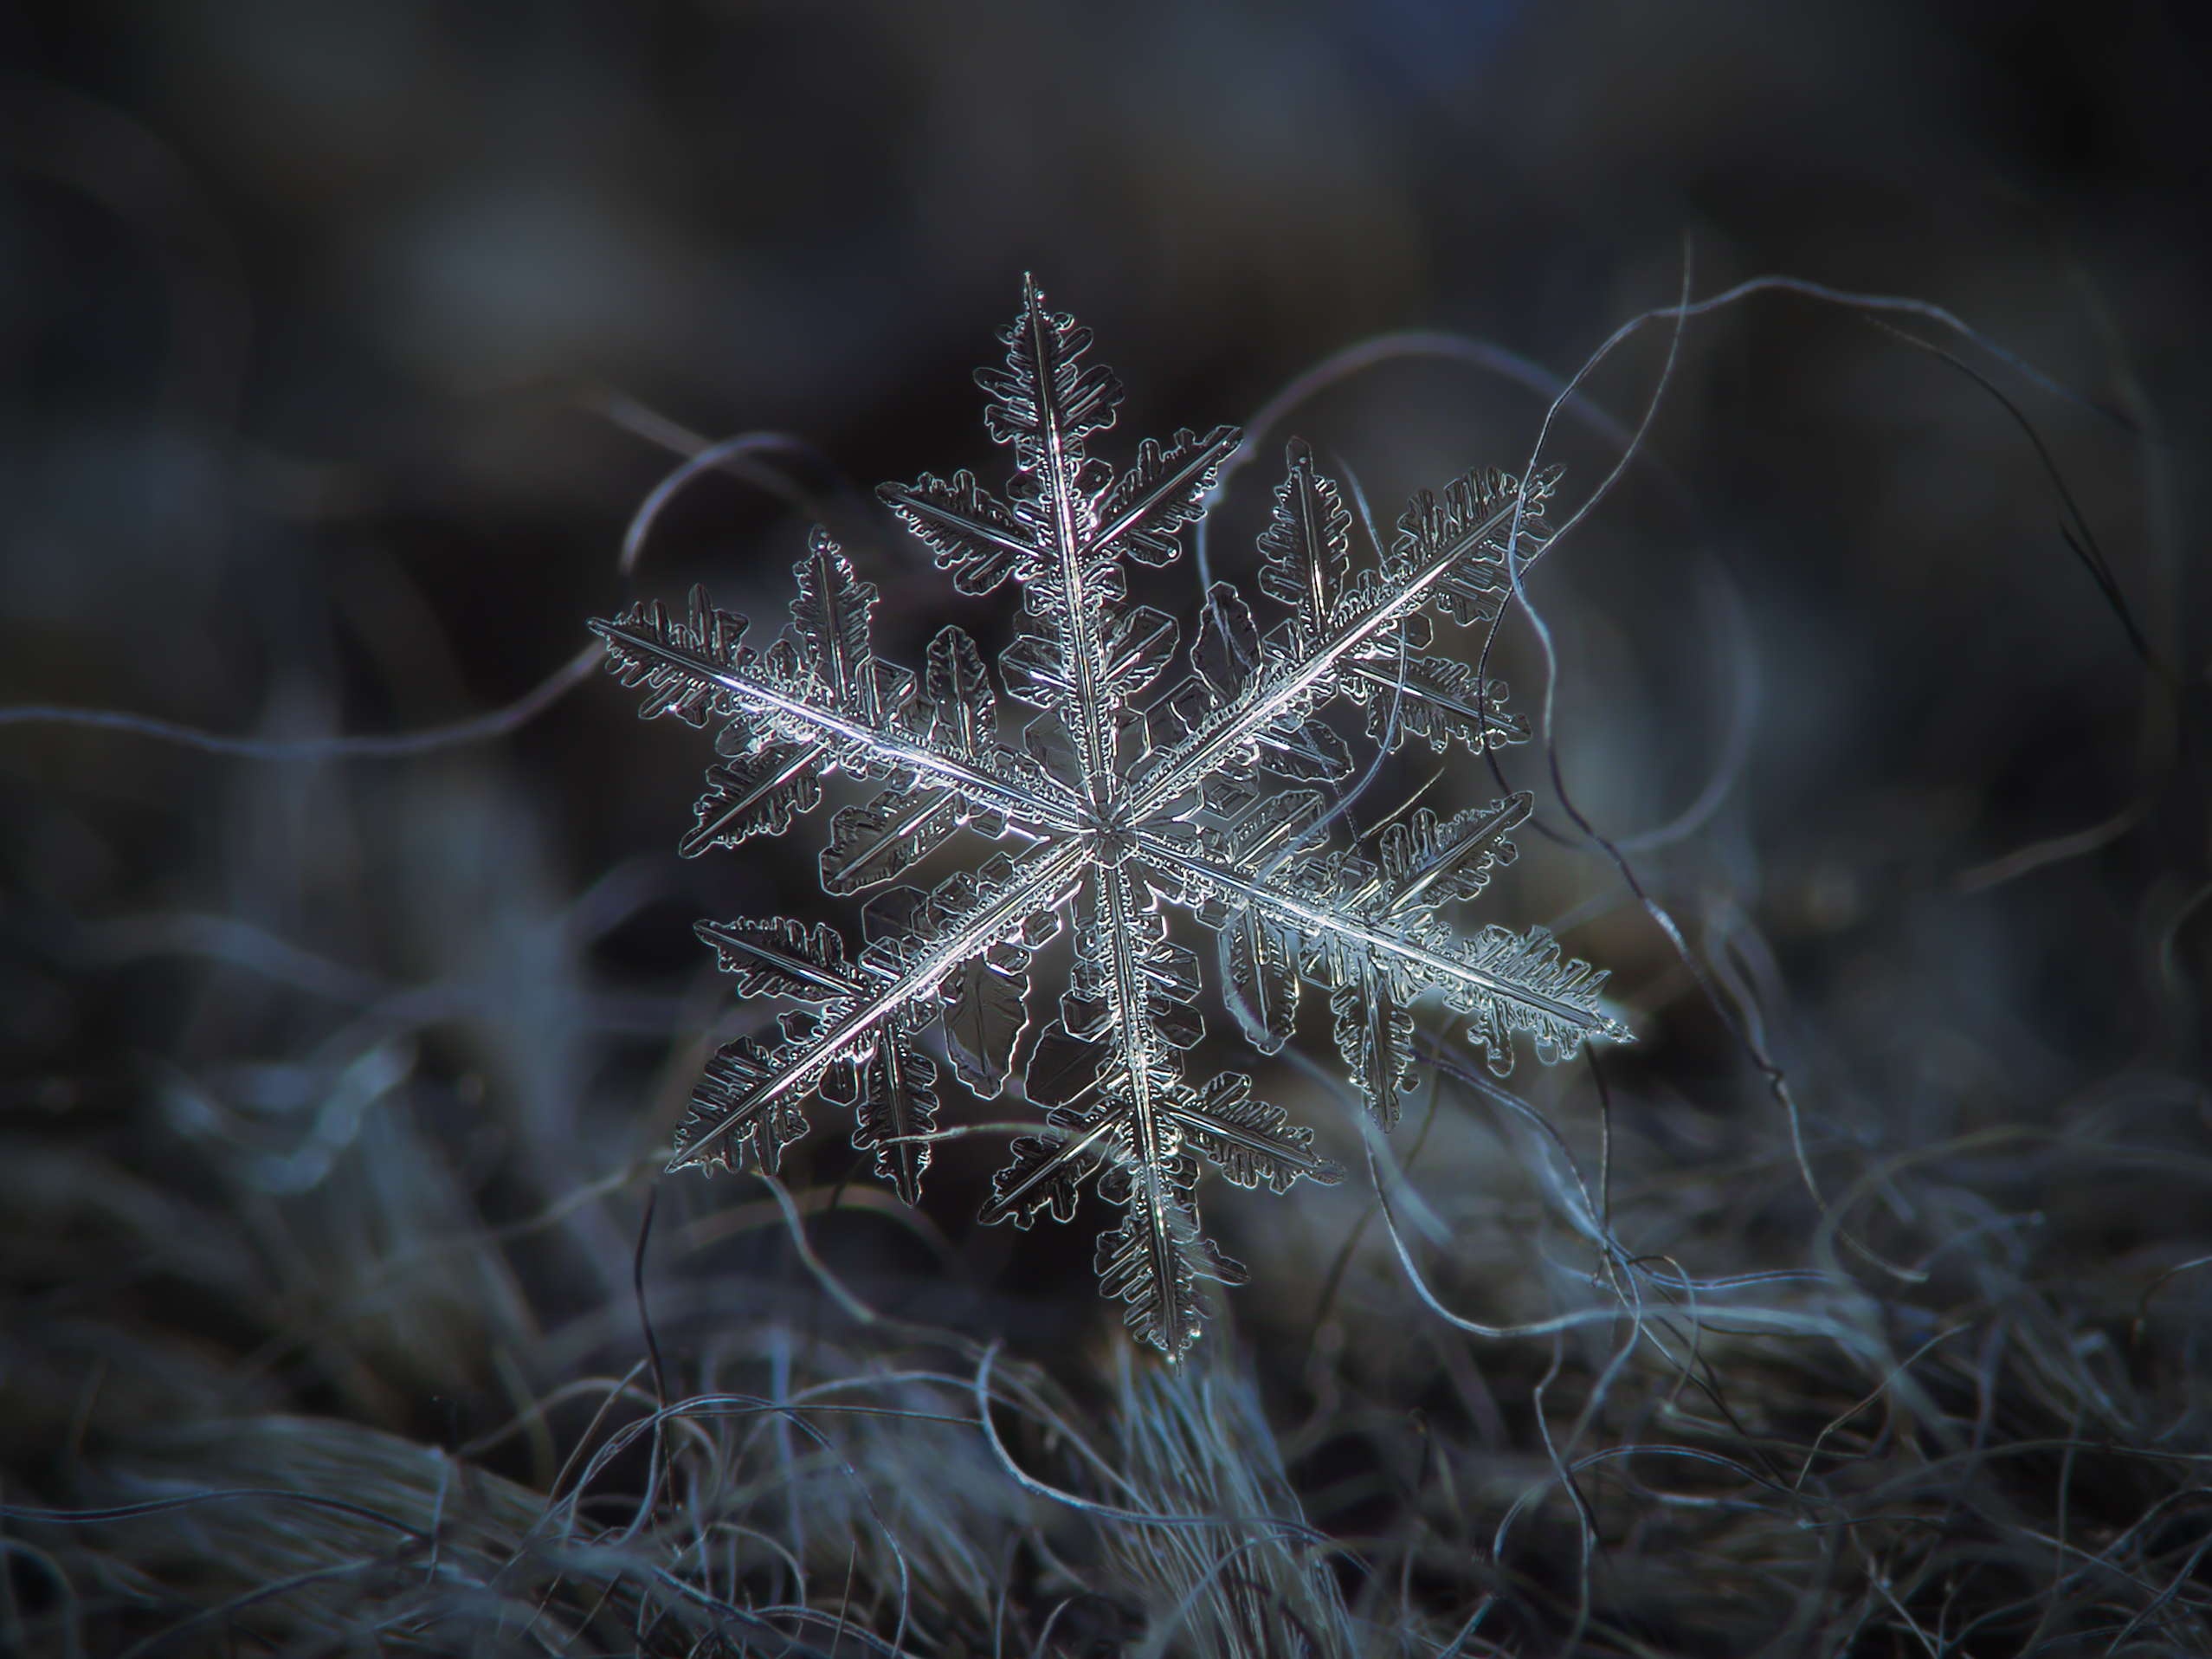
1111,833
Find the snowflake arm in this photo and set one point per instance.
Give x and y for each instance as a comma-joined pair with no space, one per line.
893,989
792,721
1453,558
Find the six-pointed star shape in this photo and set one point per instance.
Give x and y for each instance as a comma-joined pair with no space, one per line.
1213,798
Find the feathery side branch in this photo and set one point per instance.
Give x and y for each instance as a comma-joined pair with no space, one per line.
1192,474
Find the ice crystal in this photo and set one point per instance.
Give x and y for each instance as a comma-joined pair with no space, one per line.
1213,798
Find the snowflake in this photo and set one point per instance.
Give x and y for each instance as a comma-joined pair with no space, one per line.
1209,800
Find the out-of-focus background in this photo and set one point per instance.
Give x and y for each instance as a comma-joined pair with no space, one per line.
338,344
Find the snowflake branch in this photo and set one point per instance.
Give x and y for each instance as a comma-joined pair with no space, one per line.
749,695
1076,608
1312,676
1035,888
1150,1139
1315,920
